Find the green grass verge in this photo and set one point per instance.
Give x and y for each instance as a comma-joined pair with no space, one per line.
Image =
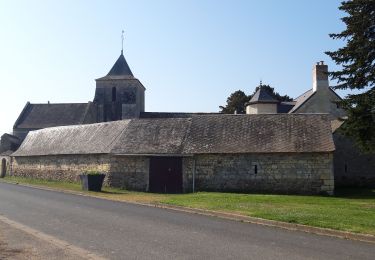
349,210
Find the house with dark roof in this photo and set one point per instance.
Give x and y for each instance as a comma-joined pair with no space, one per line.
321,98
351,166
277,147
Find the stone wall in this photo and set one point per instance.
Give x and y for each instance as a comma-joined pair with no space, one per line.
261,108
129,172
59,167
268,173
119,98
351,167
123,172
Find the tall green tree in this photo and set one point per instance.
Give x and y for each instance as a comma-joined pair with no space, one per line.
357,61
237,100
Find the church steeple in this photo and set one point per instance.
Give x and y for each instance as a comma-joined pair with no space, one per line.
119,95
121,67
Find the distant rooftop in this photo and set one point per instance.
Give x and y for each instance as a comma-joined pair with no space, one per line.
262,96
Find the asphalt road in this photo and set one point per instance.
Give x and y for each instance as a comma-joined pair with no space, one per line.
125,231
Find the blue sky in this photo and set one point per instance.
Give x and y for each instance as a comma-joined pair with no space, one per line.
190,55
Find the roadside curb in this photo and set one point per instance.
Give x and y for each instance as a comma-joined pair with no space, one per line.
225,215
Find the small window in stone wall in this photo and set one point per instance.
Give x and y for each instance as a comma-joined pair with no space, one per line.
346,168
254,168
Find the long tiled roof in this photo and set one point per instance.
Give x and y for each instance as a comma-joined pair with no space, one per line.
153,136
173,114
267,133
76,139
200,134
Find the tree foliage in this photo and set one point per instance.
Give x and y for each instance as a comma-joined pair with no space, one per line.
357,61
238,99
235,102
274,94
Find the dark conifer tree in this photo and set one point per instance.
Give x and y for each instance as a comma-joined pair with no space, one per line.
357,61
235,102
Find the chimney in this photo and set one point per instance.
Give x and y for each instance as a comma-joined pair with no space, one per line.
320,76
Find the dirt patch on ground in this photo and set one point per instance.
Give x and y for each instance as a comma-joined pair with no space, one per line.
18,245
7,252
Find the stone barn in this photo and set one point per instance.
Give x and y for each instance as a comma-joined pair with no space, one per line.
275,153
278,147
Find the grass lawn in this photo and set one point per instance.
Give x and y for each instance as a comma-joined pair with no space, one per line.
349,210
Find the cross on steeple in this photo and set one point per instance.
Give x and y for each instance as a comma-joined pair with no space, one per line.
122,42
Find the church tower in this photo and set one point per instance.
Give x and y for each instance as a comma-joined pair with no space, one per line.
119,95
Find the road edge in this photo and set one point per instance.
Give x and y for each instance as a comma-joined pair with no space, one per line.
225,215
72,249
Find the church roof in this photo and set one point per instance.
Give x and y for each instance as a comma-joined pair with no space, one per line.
262,96
120,68
200,134
36,116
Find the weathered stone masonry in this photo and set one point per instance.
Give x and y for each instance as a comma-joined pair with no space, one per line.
128,172
59,167
276,173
